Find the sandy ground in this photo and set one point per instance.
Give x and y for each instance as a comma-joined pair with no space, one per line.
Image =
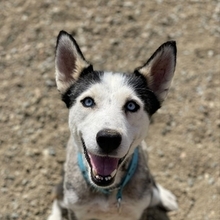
183,140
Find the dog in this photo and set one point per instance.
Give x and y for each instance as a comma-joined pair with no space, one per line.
106,175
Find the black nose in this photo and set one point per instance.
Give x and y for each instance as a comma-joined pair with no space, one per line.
108,140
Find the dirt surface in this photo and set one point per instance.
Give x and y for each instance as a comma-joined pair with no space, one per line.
183,140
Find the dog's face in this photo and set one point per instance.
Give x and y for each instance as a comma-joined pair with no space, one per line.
110,112
109,120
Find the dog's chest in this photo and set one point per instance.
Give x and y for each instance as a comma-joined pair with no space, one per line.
99,208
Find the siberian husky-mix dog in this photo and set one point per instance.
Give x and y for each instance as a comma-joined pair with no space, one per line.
106,173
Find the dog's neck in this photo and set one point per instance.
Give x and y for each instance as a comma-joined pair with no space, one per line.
130,171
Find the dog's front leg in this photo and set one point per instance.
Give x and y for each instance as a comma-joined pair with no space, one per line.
56,213
163,197
71,215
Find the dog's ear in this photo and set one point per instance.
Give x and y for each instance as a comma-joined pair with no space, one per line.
69,61
159,69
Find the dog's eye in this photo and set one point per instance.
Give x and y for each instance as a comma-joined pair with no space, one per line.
88,102
131,106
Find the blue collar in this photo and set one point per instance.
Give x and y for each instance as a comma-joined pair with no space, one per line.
131,169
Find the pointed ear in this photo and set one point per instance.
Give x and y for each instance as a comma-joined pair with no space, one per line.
69,61
159,69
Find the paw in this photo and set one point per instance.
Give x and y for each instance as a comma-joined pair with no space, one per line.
54,217
167,199
56,213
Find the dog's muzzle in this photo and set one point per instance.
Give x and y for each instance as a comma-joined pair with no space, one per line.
104,167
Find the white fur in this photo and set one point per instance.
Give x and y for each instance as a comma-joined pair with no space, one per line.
167,199
56,213
110,209
98,207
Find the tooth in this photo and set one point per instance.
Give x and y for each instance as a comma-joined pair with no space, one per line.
94,172
113,173
99,177
107,178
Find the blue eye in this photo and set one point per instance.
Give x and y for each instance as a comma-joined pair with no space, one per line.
131,106
88,102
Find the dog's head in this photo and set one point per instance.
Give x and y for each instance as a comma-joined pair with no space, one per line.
110,112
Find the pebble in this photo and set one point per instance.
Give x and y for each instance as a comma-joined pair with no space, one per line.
170,165
33,203
14,215
182,155
128,4
178,178
50,83
160,153
24,182
190,182
211,181
4,190
52,151
210,53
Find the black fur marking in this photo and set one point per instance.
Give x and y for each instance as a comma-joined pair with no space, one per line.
87,78
139,83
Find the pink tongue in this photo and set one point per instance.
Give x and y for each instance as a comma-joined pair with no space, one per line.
104,166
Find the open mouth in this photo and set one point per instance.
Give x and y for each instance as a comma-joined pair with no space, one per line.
103,168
